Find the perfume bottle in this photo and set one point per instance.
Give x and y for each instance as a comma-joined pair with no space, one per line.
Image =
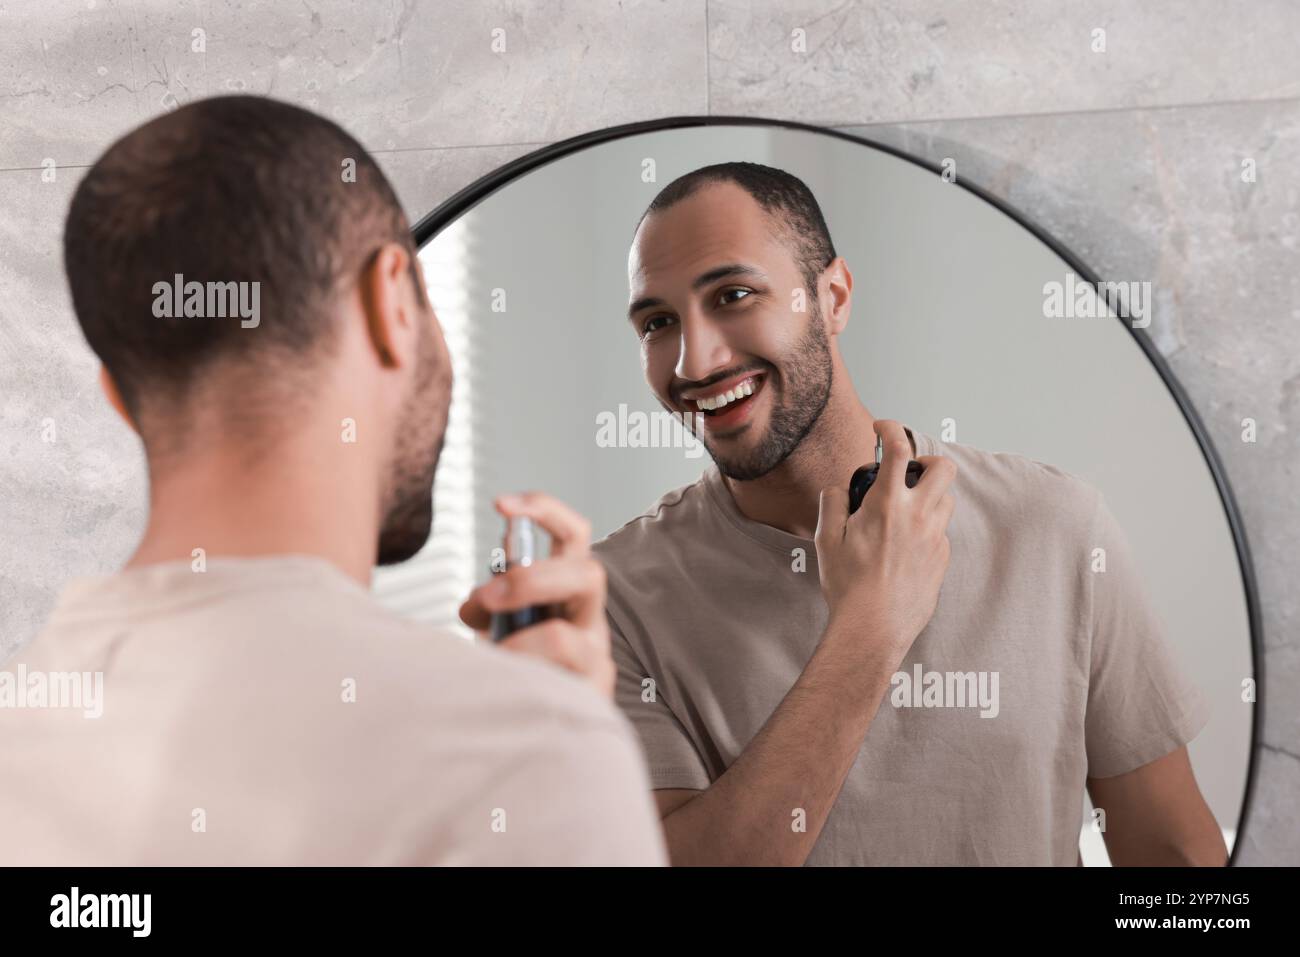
865,477
520,547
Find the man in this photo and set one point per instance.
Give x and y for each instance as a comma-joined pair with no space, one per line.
775,652
258,707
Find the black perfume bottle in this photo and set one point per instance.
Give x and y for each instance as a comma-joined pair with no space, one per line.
520,550
865,477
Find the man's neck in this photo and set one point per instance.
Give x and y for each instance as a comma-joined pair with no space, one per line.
788,497
284,504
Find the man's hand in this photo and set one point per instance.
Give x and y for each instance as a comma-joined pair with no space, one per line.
883,565
569,580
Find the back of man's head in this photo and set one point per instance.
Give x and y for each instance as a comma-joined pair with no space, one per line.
189,220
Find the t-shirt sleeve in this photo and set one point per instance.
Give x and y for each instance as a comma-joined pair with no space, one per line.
1142,705
671,757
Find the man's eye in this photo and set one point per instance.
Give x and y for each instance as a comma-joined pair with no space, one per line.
650,326
728,296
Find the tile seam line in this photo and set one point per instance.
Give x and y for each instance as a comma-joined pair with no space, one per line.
833,125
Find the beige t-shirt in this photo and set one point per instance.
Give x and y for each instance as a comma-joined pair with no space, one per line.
269,711
713,607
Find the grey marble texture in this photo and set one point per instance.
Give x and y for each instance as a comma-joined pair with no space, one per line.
76,73
869,61
1130,157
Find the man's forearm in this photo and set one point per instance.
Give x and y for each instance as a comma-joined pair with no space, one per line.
796,763
1157,816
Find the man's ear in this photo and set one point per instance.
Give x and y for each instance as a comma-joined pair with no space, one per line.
839,294
114,397
389,320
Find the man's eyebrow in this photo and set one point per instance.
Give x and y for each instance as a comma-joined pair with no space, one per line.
645,302
723,272
702,280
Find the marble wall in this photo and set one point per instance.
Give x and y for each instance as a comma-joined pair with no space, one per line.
1131,156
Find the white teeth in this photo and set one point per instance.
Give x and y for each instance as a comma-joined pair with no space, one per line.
742,390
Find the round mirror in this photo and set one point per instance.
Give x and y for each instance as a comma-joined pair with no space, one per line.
993,345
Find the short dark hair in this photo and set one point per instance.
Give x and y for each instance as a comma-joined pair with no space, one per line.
228,189
782,195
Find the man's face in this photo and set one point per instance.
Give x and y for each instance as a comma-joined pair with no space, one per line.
714,295
421,429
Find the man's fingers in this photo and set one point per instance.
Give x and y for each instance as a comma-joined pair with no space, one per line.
578,584
936,478
897,453
570,532
555,640
474,614
580,589
944,509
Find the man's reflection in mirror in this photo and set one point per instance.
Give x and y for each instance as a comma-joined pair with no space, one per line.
932,679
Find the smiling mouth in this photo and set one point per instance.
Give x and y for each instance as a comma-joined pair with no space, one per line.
730,402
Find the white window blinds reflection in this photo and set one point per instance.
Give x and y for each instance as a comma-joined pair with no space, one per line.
431,586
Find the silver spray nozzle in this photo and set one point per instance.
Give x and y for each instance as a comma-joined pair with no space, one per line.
521,541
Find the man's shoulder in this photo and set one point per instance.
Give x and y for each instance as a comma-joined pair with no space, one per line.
1017,488
441,672
317,687
449,678
309,629
674,511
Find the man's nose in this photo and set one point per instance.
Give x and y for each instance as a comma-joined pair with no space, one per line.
703,349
